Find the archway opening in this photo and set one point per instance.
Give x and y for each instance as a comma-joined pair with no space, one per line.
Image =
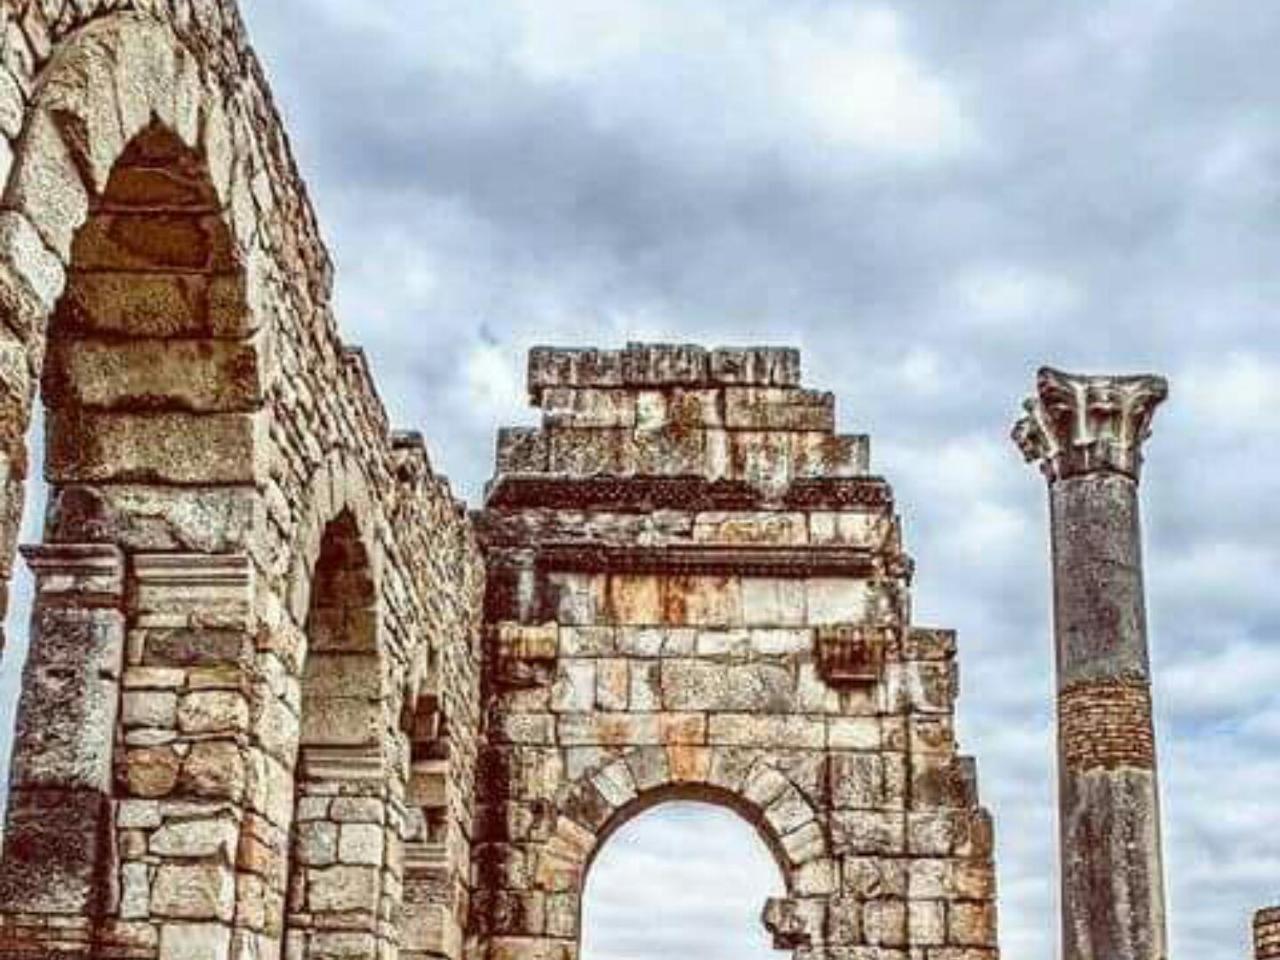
339,836
683,879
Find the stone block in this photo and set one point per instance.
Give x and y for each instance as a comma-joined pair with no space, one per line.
68,708
214,837
551,367
522,450
148,375
591,453
149,519
835,601
822,455
635,600
763,460
574,690
195,941
657,365
695,685
51,849
361,844
588,408
869,833
177,448
194,891
703,601
774,602
752,730
213,712
343,888
756,367
156,305
773,409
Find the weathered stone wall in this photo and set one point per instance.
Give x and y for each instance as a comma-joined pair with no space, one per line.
252,689
698,590
259,706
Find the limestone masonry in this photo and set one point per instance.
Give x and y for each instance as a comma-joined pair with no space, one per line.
286,697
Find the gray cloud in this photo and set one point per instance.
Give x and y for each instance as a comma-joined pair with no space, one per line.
930,200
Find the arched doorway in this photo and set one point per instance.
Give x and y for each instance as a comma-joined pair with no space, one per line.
339,844
683,879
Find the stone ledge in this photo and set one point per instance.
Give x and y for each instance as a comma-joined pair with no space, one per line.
695,493
798,563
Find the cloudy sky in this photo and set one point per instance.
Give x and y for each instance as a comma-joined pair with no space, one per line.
929,199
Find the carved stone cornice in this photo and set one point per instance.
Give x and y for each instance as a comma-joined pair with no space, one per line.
1079,424
645,494
714,560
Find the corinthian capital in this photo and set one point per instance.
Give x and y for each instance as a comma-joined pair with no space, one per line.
1085,424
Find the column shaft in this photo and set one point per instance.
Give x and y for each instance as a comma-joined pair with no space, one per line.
1109,821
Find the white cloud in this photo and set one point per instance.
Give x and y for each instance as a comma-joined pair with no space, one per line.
1013,295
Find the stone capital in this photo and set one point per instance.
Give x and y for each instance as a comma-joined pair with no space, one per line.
1077,424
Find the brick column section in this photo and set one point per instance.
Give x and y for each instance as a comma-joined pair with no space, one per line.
56,876
1087,435
1266,934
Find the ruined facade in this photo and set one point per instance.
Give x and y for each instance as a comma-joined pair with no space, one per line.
286,697
698,589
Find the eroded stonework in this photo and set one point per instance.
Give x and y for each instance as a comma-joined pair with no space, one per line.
698,589
284,697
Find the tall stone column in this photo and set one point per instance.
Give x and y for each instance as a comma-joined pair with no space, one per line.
1087,435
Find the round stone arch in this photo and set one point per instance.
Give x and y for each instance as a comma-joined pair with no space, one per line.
103,86
346,775
593,807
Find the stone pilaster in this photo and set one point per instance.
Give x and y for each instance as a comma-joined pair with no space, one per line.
56,877
1087,435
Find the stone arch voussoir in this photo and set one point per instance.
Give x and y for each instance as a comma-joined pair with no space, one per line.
751,783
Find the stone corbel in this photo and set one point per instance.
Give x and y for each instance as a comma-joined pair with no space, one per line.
851,654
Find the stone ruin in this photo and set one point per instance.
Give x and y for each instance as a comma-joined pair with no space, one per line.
286,697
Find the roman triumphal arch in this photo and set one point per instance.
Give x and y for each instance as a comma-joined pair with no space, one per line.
698,589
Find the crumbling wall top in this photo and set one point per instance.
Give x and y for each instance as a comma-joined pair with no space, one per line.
662,365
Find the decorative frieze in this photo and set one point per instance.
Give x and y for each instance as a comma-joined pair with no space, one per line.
717,560
642,494
1085,424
